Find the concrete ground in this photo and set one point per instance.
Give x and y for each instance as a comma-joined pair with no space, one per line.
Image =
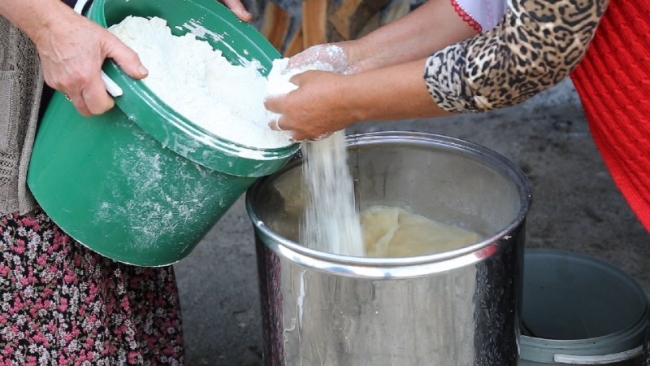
576,207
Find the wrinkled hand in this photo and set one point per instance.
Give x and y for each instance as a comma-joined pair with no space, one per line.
72,52
313,111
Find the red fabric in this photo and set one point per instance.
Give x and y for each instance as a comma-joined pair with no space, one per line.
613,82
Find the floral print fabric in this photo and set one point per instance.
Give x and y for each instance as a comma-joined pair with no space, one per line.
62,304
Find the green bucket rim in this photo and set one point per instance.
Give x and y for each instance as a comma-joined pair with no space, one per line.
180,134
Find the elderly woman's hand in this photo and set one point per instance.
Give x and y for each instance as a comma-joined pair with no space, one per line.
72,50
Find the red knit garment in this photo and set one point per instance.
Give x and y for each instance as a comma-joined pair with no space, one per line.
613,82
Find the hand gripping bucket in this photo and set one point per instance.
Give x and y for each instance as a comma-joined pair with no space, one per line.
141,184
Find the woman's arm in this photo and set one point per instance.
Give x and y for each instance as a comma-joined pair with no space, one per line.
381,69
427,29
534,47
326,102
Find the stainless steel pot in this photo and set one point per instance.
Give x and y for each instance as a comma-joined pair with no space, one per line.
454,308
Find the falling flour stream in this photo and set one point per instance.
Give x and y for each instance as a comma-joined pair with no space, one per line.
331,222
331,219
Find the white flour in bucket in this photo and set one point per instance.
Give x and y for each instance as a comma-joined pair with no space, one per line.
200,84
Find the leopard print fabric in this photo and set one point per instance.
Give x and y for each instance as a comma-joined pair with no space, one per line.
536,45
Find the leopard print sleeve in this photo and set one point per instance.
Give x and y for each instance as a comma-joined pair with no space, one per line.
536,45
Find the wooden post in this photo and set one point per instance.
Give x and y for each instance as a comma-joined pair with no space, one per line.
324,21
296,44
351,17
314,22
275,25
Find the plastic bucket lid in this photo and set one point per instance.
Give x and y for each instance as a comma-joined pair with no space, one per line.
579,309
239,43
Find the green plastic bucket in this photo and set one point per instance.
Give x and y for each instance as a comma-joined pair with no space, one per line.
579,310
141,184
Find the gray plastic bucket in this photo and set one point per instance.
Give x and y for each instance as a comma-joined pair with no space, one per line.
578,310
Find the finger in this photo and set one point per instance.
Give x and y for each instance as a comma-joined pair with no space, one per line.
78,102
273,104
95,97
128,59
298,137
238,8
275,125
297,79
322,136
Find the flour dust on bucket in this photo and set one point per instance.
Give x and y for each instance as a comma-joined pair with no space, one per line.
142,184
579,310
456,307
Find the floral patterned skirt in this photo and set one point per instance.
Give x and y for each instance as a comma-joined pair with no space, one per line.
62,304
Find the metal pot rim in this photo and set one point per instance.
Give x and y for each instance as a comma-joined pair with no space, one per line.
468,254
